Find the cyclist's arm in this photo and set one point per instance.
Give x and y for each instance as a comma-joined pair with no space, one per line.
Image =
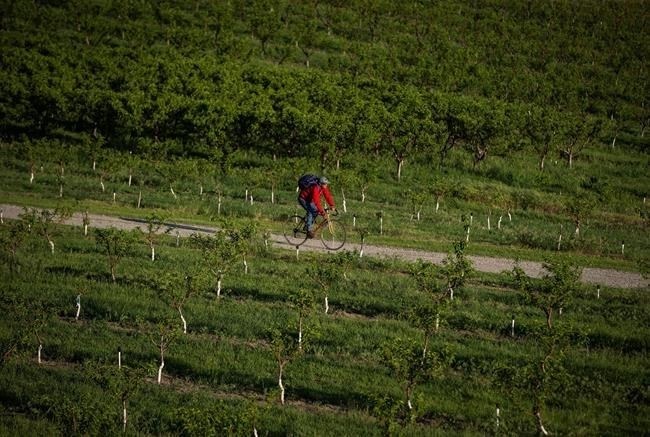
328,197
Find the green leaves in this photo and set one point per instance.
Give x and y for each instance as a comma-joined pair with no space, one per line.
554,291
115,244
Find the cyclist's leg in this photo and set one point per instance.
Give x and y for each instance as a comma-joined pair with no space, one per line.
305,206
312,213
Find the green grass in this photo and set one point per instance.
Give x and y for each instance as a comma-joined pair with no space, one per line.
537,209
226,355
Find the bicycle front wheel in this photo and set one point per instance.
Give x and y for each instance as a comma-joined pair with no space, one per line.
333,235
294,230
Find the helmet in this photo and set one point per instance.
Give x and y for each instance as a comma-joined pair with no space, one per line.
323,180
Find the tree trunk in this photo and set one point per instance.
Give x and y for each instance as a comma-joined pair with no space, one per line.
153,252
51,245
219,287
40,349
124,415
180,311
113,273
327,306
162,364
139,199
280,383
400,163
540,424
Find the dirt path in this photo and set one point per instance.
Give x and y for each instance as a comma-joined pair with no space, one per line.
590,275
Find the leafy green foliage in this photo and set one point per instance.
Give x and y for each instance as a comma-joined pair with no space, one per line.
554,291
115,244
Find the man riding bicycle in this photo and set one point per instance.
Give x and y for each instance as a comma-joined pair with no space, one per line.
311,188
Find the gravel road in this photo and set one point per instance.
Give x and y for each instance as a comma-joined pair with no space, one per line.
590,275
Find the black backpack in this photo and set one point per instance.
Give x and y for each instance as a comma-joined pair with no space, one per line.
306,181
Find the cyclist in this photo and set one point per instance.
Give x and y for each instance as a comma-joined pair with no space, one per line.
311,189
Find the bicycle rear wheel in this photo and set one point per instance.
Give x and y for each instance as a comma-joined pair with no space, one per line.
333,235
294,230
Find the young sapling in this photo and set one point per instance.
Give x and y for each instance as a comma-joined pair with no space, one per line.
285,349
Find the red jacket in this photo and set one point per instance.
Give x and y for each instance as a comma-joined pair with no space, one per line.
313,193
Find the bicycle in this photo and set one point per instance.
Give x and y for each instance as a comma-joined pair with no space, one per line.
332,233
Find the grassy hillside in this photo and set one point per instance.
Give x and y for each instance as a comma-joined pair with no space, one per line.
222,374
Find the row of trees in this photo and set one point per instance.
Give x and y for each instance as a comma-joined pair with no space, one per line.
281,112
183,99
